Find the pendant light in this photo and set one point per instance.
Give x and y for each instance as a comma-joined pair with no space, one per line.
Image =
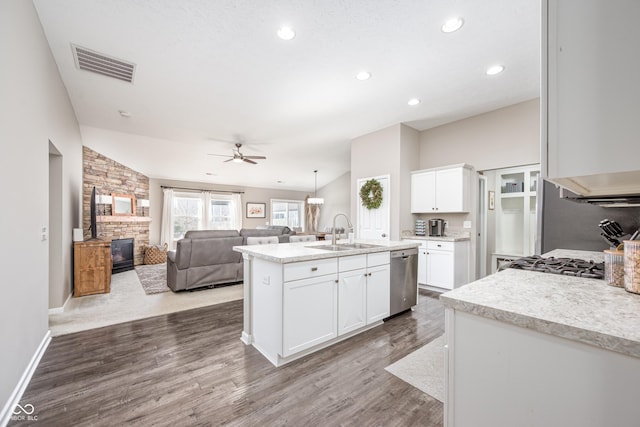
315,200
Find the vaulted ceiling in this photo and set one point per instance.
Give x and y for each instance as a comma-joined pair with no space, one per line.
210,72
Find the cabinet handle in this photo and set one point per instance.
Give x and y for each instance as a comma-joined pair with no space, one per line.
314,268
439,246
337,281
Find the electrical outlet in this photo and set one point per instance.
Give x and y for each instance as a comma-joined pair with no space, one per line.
466,224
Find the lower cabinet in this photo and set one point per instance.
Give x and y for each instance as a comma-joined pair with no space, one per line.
364,290
305,304
310,310
378,293
447,264
352,300
92,267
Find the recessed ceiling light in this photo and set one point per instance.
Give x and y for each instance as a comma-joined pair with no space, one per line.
363,75
286,33
495,69
124,113
413,101
452,25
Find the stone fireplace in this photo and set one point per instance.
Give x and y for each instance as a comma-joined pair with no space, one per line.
110,177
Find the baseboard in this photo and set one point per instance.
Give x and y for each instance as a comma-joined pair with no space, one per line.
59,310
14,399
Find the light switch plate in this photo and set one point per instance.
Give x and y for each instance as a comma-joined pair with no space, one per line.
466,224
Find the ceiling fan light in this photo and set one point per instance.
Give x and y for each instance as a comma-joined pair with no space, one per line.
237,160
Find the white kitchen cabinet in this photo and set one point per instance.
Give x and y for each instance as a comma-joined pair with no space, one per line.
590,95
297,308
352,299
378,293
310,312
423,191
447,264
422,265
363,293
441,190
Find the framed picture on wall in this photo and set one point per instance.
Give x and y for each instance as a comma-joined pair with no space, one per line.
256,210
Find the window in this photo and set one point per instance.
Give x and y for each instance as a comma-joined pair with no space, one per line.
287,212
204,211
187,214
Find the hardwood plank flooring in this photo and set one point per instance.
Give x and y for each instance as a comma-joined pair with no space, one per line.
190,368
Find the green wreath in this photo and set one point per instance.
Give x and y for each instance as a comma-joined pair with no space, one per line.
371,194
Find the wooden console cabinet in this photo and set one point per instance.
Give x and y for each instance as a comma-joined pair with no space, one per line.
92,267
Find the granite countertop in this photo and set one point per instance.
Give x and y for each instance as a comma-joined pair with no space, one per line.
579,309
306,251
449,238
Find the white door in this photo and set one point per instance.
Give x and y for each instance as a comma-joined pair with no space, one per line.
352,294
374,223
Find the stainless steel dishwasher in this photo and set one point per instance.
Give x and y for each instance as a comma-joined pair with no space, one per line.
404,280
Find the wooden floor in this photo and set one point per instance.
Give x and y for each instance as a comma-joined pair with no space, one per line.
190,368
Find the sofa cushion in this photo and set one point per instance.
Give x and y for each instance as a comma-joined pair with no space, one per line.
203,234
215,251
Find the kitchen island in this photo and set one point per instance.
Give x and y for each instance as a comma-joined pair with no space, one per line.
540,349
301,297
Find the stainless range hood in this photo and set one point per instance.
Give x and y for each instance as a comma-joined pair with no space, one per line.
620,189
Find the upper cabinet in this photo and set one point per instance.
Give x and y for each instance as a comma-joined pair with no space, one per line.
441,190
590,94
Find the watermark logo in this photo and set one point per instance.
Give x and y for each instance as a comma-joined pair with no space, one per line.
24,413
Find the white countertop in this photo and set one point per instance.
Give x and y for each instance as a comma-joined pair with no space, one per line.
579,309
305,251
449,238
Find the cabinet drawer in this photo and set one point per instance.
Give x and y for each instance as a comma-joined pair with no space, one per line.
443,246
306,269
378,258
354,262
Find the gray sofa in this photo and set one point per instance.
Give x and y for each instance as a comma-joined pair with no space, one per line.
206,257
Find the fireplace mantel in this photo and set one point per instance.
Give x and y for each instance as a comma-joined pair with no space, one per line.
122,218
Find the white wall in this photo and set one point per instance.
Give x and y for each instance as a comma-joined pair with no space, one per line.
34,108
337,198
409,161
501,138
251,194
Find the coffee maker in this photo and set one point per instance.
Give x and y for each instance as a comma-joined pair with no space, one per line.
436,227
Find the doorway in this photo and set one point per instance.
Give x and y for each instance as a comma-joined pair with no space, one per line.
56,273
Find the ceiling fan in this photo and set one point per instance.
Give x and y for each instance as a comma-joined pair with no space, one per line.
238,157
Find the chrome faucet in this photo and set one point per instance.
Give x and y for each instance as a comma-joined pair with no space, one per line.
333,230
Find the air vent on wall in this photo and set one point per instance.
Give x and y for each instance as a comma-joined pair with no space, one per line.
102,64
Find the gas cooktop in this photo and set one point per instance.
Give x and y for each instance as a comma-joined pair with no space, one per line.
566,266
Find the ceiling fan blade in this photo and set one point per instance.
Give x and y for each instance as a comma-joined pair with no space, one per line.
249,161
254,157
219,155
230,160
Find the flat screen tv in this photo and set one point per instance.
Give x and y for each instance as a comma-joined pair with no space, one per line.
92,227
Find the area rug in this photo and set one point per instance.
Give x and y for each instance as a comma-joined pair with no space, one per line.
423,369
153,278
